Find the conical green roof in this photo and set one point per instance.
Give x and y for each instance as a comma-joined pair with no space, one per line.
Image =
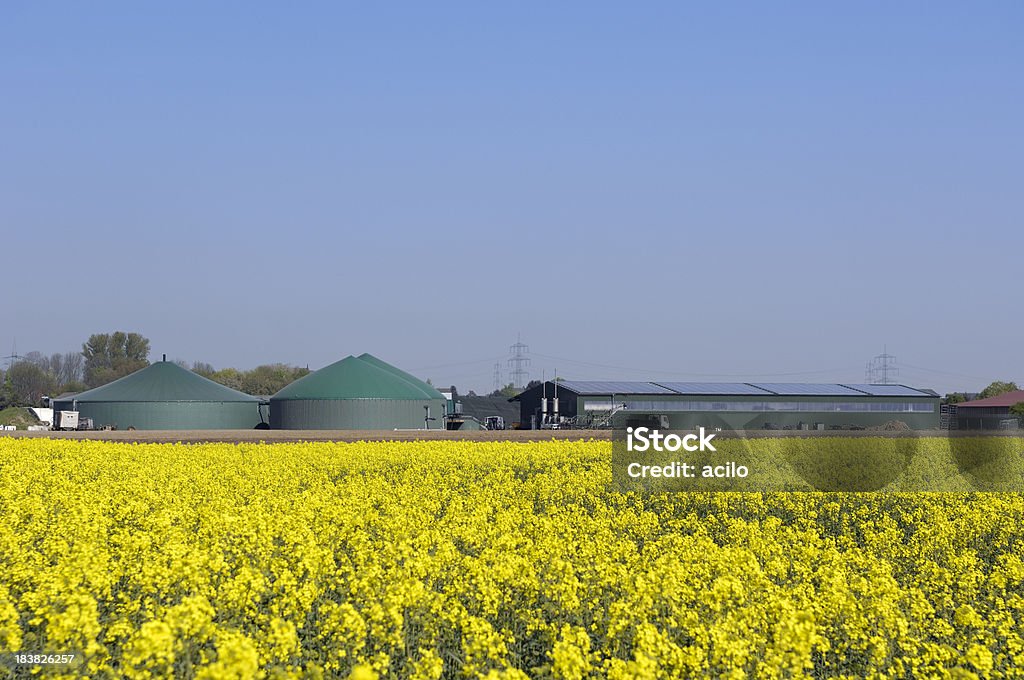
162,381
353,378
426,387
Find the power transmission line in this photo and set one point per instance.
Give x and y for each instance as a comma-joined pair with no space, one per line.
517,363
659,371
13,357
882,369
941,372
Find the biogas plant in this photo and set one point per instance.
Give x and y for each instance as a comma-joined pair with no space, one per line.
355,393
365,393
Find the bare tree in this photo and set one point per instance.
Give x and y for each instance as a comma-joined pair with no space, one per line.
35,358
64,369
28,382
72,364
202,368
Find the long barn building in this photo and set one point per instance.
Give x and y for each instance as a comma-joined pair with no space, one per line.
730,406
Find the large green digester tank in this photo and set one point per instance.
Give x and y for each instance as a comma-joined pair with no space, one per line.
165,396
357,393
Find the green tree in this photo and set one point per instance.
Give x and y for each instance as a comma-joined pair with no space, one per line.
263,380
1018,409
954,398
267,379
73,386
229,377
109,356
26,383
997,388
508,391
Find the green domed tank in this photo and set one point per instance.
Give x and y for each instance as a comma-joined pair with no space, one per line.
165,396
356,393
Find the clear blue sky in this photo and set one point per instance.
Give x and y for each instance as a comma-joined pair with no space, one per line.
721,190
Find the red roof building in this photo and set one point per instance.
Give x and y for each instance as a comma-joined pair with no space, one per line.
989,414
999,401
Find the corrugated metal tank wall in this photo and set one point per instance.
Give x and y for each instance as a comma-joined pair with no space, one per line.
353,414
156,415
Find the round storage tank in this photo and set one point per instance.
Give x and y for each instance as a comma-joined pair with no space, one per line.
357,393
165,396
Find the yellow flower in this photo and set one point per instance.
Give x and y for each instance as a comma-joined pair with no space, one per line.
363,672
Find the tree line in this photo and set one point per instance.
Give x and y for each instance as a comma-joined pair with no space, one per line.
105,357
260,381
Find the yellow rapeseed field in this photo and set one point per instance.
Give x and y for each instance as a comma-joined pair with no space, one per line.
493,560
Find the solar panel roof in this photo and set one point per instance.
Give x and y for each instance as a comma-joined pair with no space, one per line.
713,388
888,390
612,387
602,387
809,389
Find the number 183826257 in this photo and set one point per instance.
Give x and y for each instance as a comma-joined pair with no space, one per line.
39,658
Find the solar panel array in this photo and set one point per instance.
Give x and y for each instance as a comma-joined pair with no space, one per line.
603,387
612,387
699,388
887,390
808,389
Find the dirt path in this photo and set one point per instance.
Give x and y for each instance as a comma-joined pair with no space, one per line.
192,436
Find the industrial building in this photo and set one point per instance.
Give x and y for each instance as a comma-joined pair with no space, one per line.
164,396
357,393
992,413
730,406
